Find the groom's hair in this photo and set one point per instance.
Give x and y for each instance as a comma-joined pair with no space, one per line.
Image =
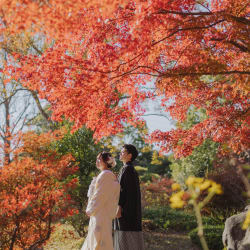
131,149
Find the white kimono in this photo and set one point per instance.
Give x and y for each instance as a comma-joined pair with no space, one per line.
102,205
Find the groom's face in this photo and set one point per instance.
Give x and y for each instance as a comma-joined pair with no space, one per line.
124,155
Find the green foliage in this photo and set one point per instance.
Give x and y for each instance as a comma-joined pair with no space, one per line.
194,116
84,149
168,218
141,170
147,177
213,236
147,158
198,164
159,164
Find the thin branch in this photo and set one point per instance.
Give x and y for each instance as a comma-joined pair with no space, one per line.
239,46
131,72
154,114
201,13
19,118
41,241
35,48
241,20
13,238
9,97
42,111
185,29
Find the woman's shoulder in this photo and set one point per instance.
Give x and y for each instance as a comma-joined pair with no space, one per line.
106,174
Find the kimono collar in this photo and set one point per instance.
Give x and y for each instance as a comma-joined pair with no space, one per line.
129,163
106,170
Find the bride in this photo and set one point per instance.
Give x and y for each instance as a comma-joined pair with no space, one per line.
102,205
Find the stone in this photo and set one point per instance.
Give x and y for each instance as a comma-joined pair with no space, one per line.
234,237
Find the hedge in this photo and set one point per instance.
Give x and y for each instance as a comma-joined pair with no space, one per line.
213,236
168,218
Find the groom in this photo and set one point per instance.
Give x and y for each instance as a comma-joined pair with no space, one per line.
128,224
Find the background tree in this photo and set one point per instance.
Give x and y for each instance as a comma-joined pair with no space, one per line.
87,79
84,149
33,192
148,163
201,161
19,105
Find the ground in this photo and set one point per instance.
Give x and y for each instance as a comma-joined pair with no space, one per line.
65,238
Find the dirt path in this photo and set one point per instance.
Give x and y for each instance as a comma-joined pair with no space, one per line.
65,238
168,241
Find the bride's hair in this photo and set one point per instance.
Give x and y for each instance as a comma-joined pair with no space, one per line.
108,159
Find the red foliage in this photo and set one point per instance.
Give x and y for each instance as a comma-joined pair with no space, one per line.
157,192
32,192
105,51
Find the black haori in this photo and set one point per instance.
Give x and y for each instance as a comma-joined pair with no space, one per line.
128,228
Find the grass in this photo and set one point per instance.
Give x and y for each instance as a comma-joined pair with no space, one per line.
64,238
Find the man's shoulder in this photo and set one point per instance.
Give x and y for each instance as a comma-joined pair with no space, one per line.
130,170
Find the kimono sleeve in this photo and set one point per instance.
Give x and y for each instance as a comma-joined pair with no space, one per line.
100,195
128,188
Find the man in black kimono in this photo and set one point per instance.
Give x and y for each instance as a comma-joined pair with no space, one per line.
128,222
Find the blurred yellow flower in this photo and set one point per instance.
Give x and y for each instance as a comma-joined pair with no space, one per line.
215,188
176,200
176,186
206,184
246,223
191,180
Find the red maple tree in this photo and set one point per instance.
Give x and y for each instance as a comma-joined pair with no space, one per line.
195,53
33,192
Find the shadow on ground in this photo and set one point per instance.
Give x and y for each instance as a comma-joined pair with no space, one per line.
168,241
65,238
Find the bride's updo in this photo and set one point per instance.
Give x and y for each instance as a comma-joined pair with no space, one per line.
108,159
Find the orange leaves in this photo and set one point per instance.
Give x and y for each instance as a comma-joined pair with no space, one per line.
105,53
33,190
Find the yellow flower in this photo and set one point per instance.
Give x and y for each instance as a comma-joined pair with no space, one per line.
205,185
215,188
191,180
176,200
176,186
246,223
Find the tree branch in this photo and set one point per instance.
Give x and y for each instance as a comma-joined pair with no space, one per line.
43,113
201,13
9,97
41,241
239,46
160,74
155,114
188,28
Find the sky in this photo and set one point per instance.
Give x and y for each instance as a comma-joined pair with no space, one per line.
158,122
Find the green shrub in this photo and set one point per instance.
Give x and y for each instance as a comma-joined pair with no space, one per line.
198,164
148,177
213,236
168,218
141,170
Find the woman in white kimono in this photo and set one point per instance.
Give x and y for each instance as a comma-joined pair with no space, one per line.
102,206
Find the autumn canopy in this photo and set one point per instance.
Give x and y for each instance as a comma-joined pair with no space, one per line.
95,59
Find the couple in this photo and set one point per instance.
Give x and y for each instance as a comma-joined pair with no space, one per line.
110,198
